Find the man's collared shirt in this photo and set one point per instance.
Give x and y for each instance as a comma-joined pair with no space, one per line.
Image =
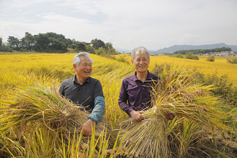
135,94
82,94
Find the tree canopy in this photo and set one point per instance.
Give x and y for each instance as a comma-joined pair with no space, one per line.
97,43
55,43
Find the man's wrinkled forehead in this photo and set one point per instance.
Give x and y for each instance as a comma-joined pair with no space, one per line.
86,62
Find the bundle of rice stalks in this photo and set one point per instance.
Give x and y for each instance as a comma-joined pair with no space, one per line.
147,138
27,106
175,93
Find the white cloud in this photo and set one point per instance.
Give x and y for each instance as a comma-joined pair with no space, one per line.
126,24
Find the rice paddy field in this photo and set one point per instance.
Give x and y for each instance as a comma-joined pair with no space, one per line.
32,110
221,66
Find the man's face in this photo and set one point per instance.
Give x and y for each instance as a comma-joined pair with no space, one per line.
84,69
141,61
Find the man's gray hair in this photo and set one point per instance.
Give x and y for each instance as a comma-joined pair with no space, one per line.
76,59
139,49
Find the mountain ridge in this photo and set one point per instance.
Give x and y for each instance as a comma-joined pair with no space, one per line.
174,48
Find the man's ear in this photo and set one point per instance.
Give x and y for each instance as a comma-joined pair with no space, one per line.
74,66
132,61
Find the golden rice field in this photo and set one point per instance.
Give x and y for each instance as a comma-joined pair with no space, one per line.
49,70
221,66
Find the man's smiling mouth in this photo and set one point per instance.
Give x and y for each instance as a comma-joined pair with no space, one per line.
87,72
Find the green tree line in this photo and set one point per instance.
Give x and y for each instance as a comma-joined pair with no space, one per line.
55,43
202,51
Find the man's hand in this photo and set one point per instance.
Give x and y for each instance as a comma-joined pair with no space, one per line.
136,115
87,127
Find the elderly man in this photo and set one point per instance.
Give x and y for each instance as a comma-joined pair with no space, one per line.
85,90
135,96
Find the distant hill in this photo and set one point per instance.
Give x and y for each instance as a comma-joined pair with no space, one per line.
123,51
184,47
188,47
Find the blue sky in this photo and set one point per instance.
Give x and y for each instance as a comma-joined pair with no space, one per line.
155,24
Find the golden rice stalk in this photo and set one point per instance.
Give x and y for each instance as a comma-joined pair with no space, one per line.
185,133
147,138
27,105
177,93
